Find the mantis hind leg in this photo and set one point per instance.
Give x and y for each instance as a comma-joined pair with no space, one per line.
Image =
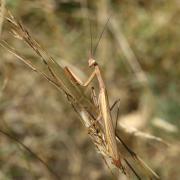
126,147
117,115
114,104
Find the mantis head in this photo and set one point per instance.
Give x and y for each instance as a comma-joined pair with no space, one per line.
91,62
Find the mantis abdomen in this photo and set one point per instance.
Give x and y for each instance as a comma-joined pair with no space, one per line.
109,129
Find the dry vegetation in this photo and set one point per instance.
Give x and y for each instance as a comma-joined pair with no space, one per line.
140,57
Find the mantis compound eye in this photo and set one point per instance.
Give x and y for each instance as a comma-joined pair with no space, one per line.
91,62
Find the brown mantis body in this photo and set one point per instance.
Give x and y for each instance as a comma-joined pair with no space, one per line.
108,128
105,113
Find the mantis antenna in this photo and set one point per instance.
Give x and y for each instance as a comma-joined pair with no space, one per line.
91,45
100,36
93,51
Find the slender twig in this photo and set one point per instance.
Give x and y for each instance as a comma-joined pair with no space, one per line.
31,152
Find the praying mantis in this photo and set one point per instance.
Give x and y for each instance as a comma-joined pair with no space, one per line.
104,108
103,103
105,115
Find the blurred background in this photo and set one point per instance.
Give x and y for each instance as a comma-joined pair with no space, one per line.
139,54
